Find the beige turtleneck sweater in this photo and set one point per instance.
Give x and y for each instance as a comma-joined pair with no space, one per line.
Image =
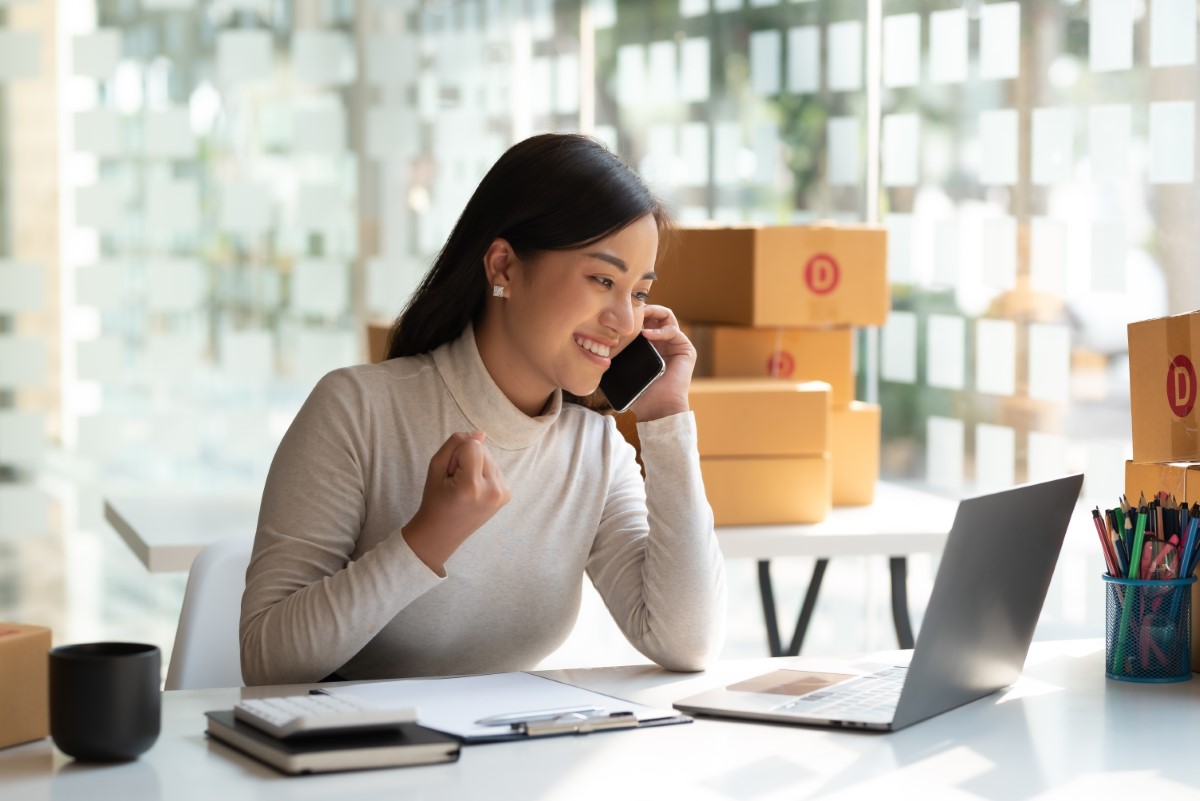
333,586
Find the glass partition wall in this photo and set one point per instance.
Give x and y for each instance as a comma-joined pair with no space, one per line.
201,204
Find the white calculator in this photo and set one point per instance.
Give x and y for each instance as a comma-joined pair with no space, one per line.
292,715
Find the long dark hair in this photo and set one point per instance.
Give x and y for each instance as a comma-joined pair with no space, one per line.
548,192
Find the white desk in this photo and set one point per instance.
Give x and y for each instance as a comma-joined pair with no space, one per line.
1062,732
167,531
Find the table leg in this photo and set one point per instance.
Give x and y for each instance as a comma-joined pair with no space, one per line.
900,617
770,618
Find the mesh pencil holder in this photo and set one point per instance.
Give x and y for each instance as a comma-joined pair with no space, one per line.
1148,629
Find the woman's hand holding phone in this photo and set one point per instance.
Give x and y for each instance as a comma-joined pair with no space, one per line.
464,488
669,394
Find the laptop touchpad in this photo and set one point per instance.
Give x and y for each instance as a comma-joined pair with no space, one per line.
790,682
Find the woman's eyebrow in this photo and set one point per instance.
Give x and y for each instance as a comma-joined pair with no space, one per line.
619,263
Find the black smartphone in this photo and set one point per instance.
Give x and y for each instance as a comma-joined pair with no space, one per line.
632,371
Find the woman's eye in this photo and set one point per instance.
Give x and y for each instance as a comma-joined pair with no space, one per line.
606,282
642,296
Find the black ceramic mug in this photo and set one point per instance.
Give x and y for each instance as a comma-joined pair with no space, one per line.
105,705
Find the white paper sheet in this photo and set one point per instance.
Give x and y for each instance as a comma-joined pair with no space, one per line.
1110,255
323,57
902,50
1108,143
722,6
948,46
947,252
604,13
566,84
452,705
996,357
24,512
175,285
995,457
22,287
1172,142
766,49
319,129
248,356
98,132
767,155
392,133
693,8
727,151
944,440
96,54
804,59
631,73
901,149
1172,32
1048,256
22,437
998,136
392,59
663,69
245,208
540,86
1053,134
999,40
844,151
900,248
99,206
101,359
20,54
693,153
1000,252
946,351
99,436
169,134
694,83
101,285
172,207
899,348
244,56
1110,35
1049,362
845,56
320,286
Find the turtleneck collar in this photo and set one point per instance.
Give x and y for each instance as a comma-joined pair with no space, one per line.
483,402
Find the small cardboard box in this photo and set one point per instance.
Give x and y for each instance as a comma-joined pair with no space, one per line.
855,454
761,417
377,340
764,449
784,276
756,490
793,354
1182,481
1163,354
24,683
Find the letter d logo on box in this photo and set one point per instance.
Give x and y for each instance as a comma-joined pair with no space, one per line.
1181,385
822,274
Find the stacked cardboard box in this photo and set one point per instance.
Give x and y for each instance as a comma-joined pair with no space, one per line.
783,303
1166,419
24,691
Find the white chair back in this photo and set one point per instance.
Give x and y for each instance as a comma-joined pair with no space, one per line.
207,651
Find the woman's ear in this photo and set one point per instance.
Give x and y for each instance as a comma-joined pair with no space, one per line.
500,263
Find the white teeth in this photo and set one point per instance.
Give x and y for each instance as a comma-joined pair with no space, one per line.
595,347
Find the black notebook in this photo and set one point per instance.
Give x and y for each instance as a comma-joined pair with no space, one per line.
408,744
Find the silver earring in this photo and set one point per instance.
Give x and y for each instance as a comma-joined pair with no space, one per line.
497,291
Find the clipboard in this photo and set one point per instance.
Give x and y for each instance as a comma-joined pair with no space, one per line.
454,705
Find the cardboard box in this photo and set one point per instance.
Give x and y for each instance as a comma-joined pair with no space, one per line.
764,449
746,491
855,434
1163,355
782,276
793,354
1182,481
25,688
761,417
377,340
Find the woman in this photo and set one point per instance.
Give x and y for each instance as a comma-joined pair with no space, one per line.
433,514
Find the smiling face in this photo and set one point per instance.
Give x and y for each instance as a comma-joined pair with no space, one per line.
564,314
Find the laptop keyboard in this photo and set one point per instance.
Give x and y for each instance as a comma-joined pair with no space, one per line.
870,698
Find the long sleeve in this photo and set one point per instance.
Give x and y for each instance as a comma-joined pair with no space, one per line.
311,603
655,560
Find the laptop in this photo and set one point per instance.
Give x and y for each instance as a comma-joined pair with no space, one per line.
986,599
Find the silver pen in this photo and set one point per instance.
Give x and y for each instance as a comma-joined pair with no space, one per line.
541,714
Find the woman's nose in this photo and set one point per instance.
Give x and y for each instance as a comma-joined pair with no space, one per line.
619,316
